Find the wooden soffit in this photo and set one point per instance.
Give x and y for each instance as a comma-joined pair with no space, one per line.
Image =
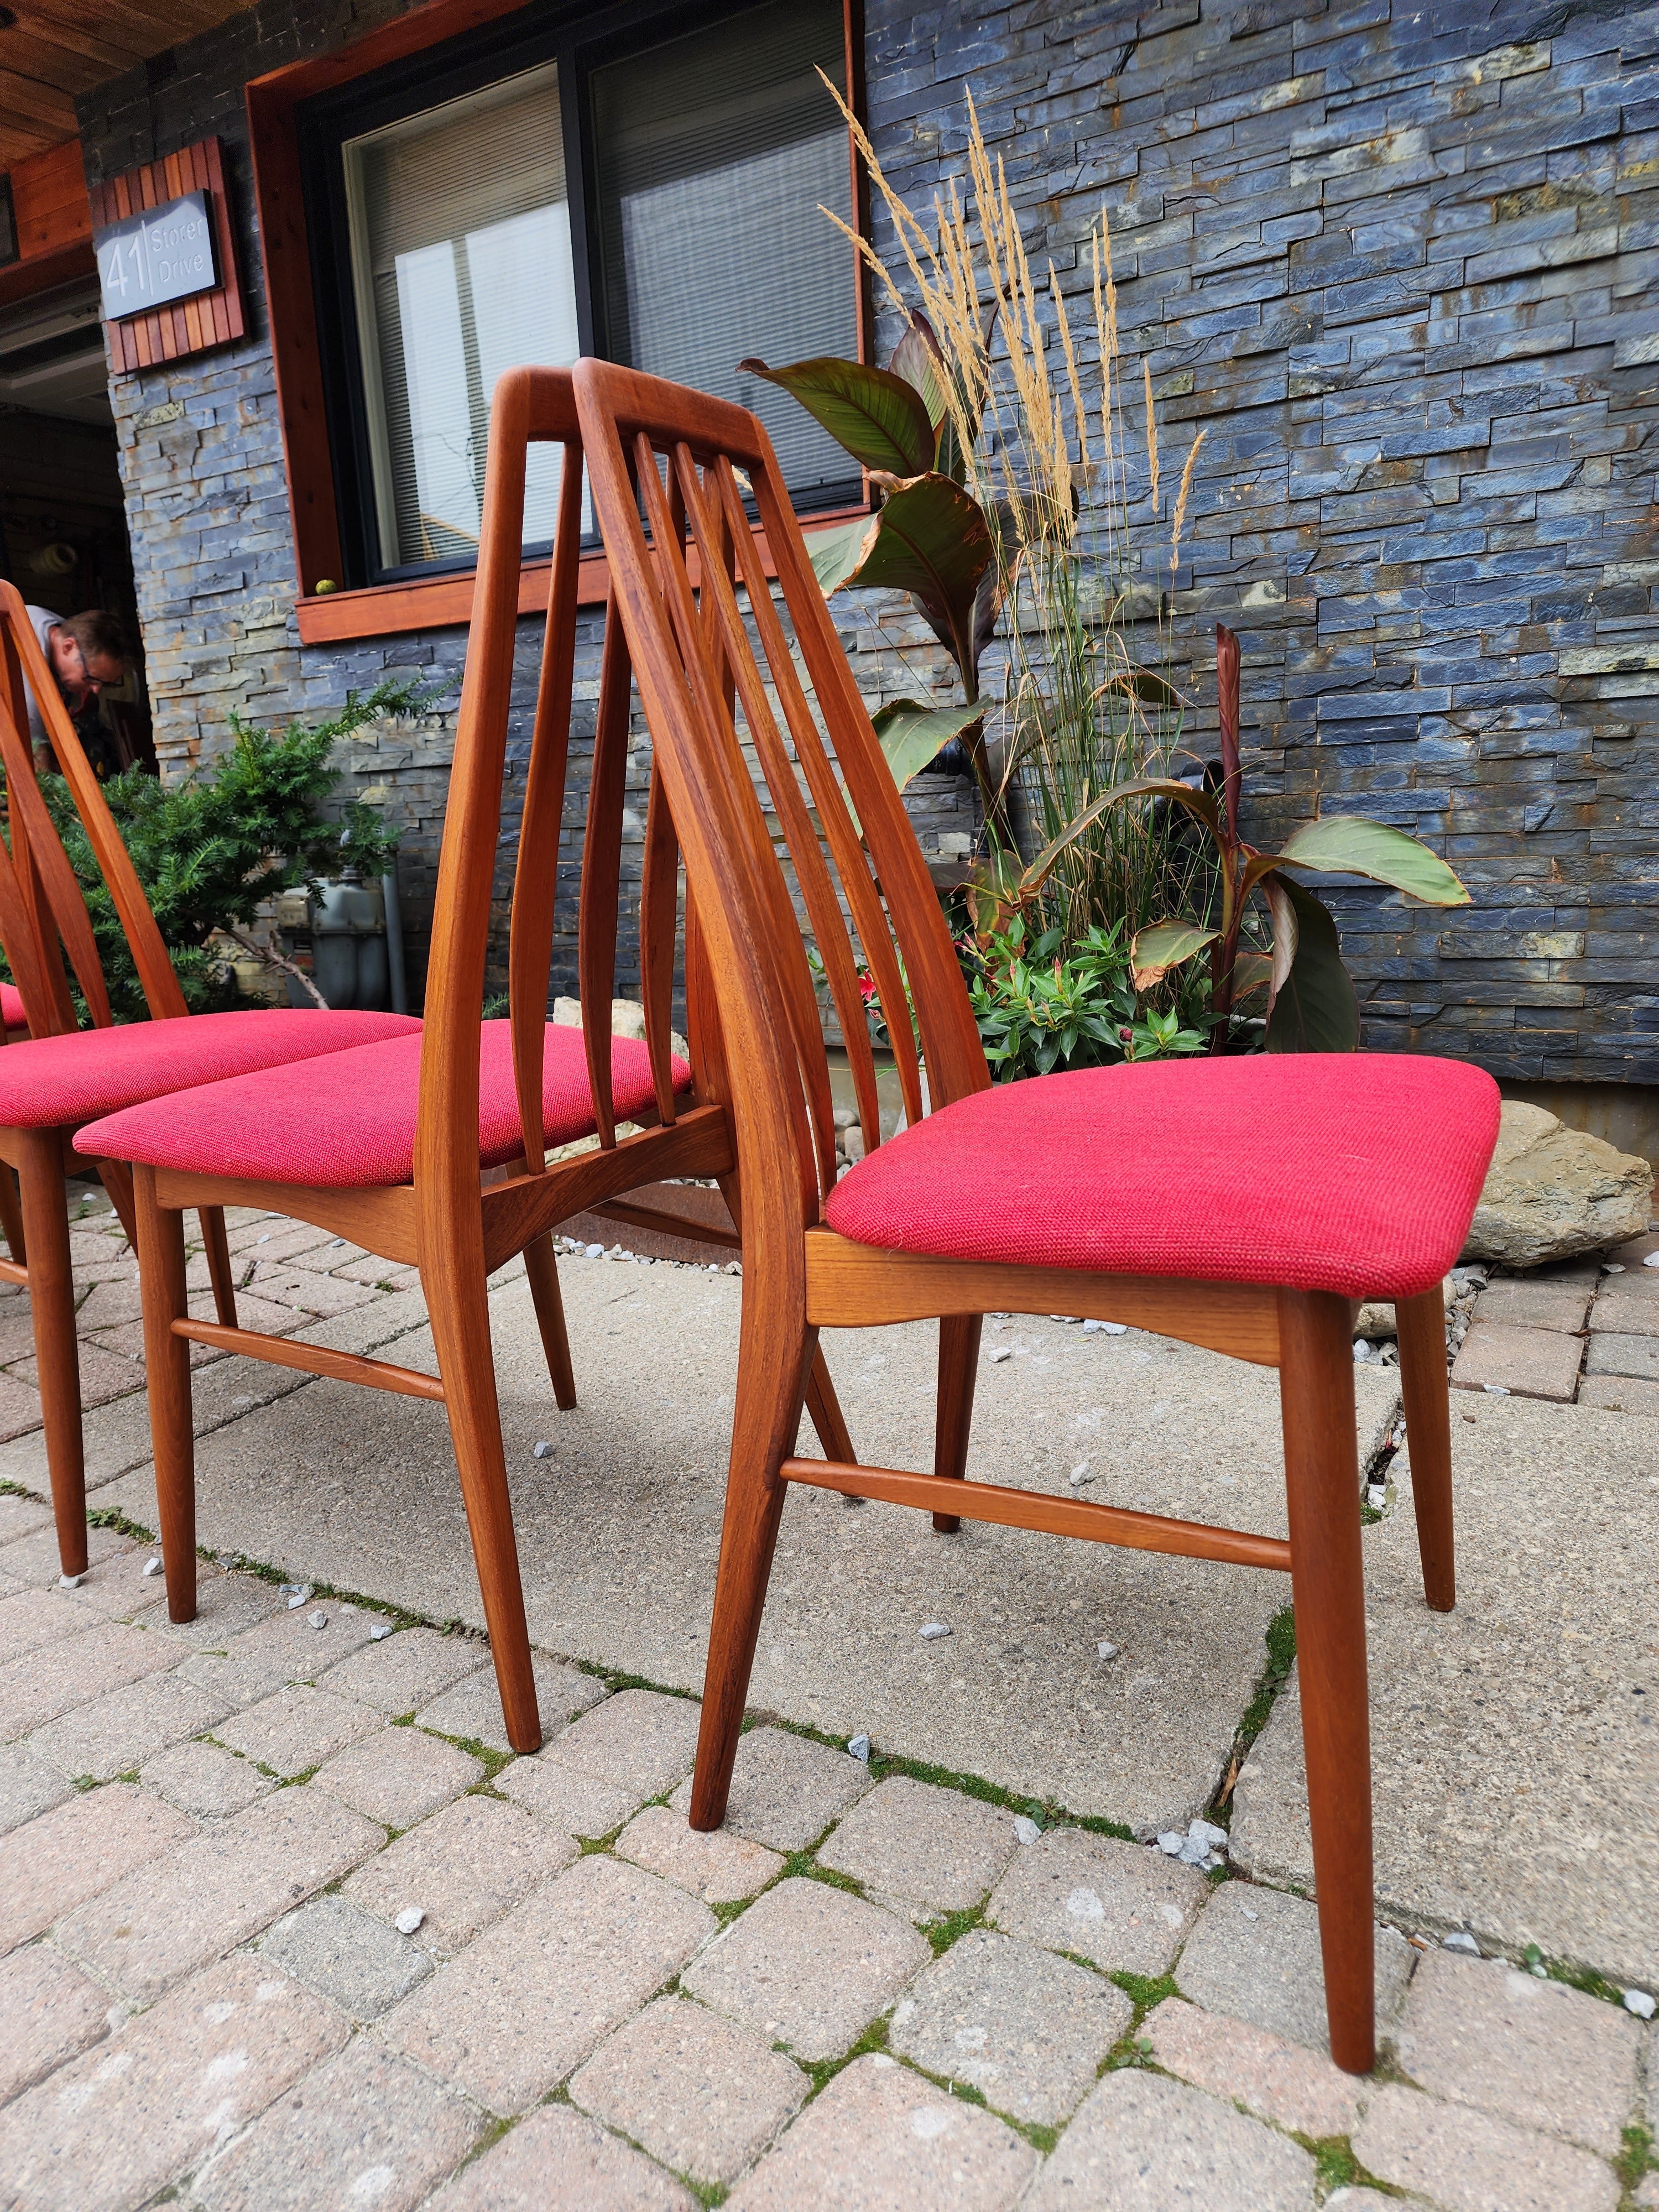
58,49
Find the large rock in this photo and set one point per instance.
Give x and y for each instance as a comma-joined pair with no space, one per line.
1552,1192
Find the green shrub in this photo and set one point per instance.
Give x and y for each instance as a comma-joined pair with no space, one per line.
1045,1004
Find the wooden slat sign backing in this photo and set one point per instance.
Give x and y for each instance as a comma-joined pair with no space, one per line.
192,325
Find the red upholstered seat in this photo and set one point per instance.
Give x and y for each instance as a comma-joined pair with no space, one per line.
50,1082
1355,1174
12,1016
348,1122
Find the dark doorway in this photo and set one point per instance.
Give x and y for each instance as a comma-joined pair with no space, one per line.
63,517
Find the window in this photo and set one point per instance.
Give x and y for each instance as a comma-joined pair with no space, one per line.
624,187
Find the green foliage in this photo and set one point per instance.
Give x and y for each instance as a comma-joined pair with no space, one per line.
210,850
1042,1003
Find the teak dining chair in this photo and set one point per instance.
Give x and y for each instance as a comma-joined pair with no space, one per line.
433,1150
1238,1203
61,1077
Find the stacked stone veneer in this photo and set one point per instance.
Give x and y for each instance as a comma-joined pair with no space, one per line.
1397,257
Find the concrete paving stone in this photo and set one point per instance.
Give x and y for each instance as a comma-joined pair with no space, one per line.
637,1740
399,1775
32,1619
1294,2087
297,1729
1125,1907
1254,1955
355,1959
464,1868
1480,2032
881,2137
200,1779
406,1670
21,1517
1144,2144
173,1915
35,1559
566,1796
558,2158
379,1273
228,1675
49,2010
106,1658
701,2094
1548,1305
334,1253
1647,2196
472,1709
1361,2200
117,1733
1027,2029
226,1607
1508,1741
28,1787
785,1789
1619,1394
924,1847
1528,1363
808,1966
136,2113
20,1408
275,1241
536,1993
310,1292
1635,1357
118,1589
57,1862
364,2129
1633,1312
303,1652
104,1376
1468,2161
718,1867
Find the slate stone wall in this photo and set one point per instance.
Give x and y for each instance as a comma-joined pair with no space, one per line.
1396,258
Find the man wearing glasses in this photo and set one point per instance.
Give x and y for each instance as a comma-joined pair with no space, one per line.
84,652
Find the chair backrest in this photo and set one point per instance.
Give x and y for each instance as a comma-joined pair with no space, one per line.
533,406
686,463
42,906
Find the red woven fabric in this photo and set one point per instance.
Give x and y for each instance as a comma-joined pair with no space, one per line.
12,1016
348,1122
1352,1173
51,1082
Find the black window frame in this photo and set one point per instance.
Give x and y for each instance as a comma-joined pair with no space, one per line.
583,39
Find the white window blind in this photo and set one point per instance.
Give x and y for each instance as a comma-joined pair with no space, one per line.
460,249
714,153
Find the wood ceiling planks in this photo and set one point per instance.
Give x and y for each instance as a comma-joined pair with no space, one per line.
58,49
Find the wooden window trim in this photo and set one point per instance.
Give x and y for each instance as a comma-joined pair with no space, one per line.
432,602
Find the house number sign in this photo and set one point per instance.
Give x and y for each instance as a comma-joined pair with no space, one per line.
164,254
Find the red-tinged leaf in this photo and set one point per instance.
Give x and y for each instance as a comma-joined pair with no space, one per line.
1163,946
1348,845
882,421
1317,1009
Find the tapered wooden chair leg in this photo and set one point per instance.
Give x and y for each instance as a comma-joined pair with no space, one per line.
56,1358
542,1269
167,1371
1321,1467
1425,1388
771,1386
456,1301
958,1371
118,1182
828,1419
11,1217
216,1246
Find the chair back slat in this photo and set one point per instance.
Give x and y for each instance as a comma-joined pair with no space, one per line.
160,987
536,879
861,877
778,944
659,927
595,948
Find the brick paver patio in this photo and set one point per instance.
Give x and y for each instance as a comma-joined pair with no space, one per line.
282,1924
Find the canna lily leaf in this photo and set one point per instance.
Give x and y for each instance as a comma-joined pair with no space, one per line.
1283,910
1317,1009
911,734
1143,684
930,539
882,421
1251,971
1346,844
835,553
1164,946
918,360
